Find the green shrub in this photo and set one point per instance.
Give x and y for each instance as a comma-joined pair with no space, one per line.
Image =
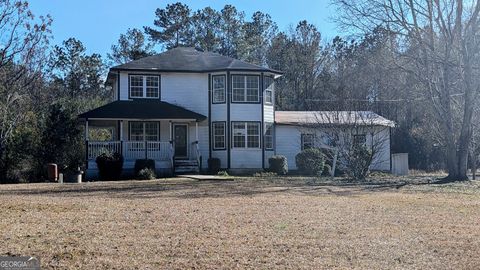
141,164
278,164
310,161
109,166
214,165
146,174
359,160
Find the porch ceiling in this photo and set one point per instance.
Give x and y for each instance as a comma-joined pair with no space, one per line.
141,109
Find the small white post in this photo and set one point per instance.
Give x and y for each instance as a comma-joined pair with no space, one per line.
196,132
86,130
121,130
334,163
170,133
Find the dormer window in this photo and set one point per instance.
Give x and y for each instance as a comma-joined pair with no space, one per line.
144,86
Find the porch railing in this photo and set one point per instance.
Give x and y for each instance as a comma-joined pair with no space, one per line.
132,150
96,148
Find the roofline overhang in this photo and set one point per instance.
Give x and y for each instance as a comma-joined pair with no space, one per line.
318,125
196,71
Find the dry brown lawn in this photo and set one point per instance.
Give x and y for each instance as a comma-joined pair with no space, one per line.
244,224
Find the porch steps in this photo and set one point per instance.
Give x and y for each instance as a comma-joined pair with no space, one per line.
186,166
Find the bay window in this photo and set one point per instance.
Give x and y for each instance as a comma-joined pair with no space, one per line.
218,88
268,141
218,135
268,81
246,134
245,88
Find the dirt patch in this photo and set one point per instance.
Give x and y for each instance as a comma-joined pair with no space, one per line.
249,223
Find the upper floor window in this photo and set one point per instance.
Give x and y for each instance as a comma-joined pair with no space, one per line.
218,88
245,88
144,86
268,81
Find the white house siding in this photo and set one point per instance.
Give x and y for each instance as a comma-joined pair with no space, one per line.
268,113
288,144
186,90
246,159
222,155
245,112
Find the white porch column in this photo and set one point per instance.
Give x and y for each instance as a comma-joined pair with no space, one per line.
121,130
196,131
86,130
170,133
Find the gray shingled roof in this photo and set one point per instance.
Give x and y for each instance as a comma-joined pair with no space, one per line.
188,59
141,109
359,118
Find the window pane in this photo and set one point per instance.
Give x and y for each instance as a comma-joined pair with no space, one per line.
239,133
219,135
252,88
151,131
238,88
269,136
218,88
359,139
136,86
136,131
268,96
253,135
308,141
152,86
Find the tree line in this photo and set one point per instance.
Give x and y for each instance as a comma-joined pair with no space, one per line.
419,69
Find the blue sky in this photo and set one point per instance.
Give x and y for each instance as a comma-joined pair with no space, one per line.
98,23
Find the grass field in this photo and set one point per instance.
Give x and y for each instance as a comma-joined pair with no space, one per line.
249,223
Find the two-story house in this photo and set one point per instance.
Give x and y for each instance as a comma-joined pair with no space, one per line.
184,106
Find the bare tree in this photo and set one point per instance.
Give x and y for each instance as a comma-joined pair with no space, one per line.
440,41
347,133
23,40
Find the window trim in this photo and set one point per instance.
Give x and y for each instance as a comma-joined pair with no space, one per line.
143,127
224,89
272,135
259,100
271,91
302,140
224,135
144,78
359,135
246,135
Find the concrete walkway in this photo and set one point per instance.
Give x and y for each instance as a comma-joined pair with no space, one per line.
202,177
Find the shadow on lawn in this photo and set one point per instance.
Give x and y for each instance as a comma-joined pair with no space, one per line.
190,189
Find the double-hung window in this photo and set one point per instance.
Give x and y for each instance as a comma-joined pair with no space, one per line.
218,135
246,135
308,141
359,139
144,86
269,87
218,88
268,136
144,131
245,88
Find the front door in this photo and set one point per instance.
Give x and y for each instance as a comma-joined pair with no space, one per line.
180,134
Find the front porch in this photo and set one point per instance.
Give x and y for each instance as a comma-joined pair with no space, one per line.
165,133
